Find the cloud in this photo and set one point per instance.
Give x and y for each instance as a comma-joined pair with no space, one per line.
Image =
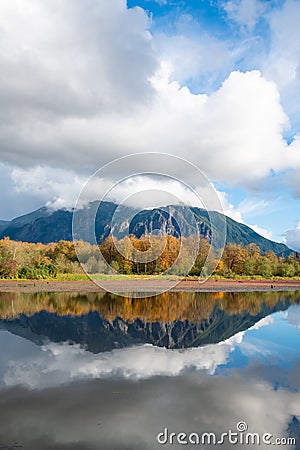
262,231
192,55
236,213
245,13
228,208
284,60
97,89
244,113
63,61
293,238
293,316
60,188
282,63
15,203
253,207
83,68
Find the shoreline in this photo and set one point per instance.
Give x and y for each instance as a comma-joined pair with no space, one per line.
148,285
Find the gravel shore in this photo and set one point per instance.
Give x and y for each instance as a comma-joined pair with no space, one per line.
148,285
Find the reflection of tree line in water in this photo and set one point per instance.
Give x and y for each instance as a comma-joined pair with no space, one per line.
166,307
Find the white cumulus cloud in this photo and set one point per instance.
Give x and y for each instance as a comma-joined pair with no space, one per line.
293,237
93,91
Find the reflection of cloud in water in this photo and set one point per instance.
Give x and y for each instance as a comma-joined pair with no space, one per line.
293,315
266,321
255,347
126,414
52,364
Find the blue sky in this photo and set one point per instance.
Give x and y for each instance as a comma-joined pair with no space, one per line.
214,82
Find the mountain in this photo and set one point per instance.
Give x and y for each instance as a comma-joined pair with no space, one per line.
30,217
47,226
3,224
15,227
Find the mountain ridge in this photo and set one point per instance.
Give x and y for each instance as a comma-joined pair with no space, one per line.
45,225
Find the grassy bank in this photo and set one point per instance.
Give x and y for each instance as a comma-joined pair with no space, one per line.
101,276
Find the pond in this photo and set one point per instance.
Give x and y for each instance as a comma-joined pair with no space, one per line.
179,370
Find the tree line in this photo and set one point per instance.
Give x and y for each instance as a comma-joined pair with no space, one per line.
171,255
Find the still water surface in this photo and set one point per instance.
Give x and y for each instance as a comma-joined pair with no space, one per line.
98,371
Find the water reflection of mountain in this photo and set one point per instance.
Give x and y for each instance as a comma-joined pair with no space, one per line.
101,322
